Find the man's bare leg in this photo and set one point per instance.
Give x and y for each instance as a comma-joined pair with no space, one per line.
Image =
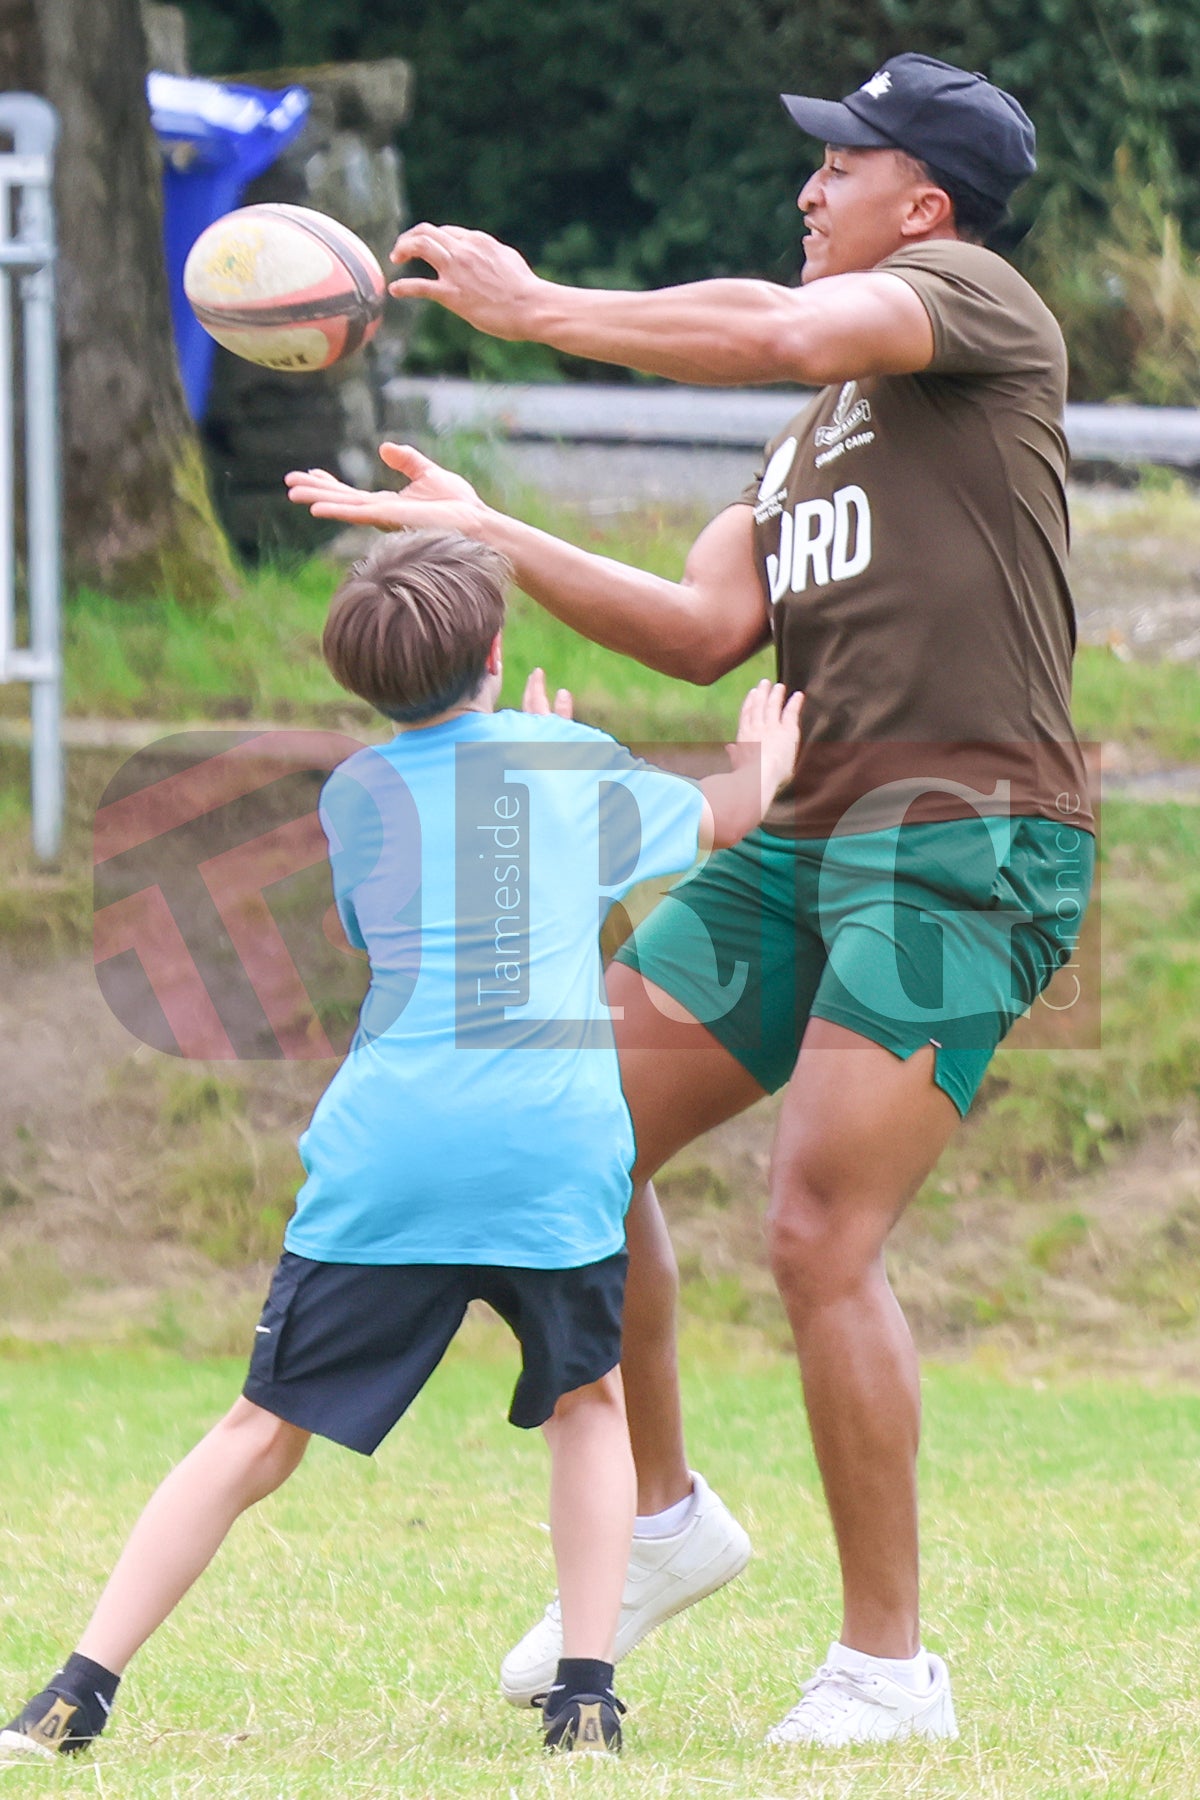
859,1132
649,1360
679,1083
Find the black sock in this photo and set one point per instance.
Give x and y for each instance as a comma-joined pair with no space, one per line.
88,1690
80,1675
579,1675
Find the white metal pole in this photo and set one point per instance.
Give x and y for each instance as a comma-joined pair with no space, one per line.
8,545
33,124
43,511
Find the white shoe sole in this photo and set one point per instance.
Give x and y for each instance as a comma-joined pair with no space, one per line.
15,1743
904,1733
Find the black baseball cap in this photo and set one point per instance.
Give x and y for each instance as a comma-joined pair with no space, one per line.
955,121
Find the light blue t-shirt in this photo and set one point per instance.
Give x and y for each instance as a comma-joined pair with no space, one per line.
478,1117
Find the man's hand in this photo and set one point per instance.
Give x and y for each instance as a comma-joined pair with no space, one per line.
535,699
482,280
434,497
769,730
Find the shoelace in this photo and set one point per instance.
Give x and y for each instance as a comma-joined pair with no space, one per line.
830,1691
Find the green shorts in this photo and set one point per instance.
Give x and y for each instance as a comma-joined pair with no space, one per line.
923,934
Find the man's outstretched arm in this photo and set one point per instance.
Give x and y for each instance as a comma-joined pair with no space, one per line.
696,628
716,333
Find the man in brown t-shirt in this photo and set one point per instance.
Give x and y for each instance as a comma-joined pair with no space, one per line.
904,547
918,526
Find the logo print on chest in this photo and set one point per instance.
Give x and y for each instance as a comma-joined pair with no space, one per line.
774,481
820,542
848,415
844,431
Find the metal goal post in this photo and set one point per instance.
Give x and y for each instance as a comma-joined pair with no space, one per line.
27,251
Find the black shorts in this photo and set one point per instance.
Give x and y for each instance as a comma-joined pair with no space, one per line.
343,1349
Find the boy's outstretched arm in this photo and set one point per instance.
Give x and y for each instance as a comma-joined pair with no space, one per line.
763,758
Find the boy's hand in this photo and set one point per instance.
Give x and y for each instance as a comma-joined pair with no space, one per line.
535,699
434,497
763,758
770,723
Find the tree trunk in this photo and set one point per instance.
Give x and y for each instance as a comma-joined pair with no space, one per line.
138,514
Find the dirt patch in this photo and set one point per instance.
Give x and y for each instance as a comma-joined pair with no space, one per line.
132,1186
1097,1273
88,1132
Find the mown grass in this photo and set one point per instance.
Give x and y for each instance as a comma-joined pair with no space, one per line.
1153,707
345,1642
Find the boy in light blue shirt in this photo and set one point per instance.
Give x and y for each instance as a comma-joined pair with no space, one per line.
475,1143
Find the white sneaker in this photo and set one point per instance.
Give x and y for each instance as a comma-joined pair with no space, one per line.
15,1743
665,1575
841,1706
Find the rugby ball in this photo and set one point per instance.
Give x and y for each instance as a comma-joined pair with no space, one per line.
285,287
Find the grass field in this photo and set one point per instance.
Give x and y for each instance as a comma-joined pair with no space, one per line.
345,1643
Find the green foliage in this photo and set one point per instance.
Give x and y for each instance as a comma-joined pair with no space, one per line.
641,142
1126,292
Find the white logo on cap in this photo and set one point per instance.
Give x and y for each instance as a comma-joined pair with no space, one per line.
878,86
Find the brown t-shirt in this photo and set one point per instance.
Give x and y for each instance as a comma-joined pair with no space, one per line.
911,535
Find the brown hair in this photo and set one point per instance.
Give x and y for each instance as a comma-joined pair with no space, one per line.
411,625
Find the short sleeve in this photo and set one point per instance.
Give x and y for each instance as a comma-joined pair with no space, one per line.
354,832
986,318
648,820
649,823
